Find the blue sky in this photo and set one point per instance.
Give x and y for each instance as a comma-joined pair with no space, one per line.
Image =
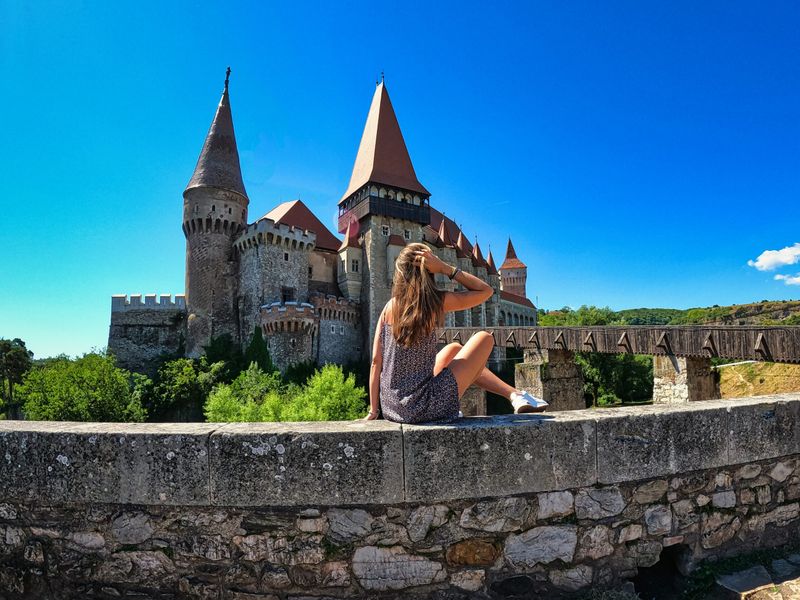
638,153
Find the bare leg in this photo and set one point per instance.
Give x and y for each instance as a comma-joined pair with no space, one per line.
486,379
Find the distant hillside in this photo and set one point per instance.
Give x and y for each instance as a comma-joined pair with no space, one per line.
759,313
757,379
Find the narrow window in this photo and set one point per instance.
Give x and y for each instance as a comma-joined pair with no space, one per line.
230,210
213,207
341,329
310,271
407,234
287,294
385,230
292,342
286,256
333,328
354,265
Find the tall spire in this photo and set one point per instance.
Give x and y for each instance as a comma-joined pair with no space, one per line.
461,246
511,261
382,154
491,268
477,256
444,236
218,164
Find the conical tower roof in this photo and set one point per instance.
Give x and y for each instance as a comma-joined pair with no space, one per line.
477,256
491,268
350,238
218,165
444,236
511,261
461,246
382,154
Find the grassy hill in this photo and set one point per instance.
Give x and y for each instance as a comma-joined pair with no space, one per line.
757,379
785,312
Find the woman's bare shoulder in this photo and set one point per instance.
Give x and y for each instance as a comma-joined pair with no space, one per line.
386,313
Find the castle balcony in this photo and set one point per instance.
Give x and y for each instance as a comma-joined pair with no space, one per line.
374,205
289,317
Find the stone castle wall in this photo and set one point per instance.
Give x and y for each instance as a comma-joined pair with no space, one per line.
538,506
141,332
339,330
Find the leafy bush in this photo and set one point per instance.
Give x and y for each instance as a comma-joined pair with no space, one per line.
90,388
328,395
181,388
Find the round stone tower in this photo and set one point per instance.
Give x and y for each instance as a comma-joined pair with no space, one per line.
214,212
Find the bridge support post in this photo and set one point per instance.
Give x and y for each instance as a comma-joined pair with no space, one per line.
553,376
473,402
678,379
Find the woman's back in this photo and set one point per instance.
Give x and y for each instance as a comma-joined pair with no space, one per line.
409,391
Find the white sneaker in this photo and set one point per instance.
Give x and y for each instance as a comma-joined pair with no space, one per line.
460,415
523,402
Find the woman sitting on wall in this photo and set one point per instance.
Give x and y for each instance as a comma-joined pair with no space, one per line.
409,380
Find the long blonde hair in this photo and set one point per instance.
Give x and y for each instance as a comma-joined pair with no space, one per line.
417,306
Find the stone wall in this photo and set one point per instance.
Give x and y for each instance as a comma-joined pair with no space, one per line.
140,334
552,375
535,506
684,379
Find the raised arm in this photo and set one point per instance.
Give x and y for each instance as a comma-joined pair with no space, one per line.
477,292
375,368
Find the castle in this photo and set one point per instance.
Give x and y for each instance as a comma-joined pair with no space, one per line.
314,297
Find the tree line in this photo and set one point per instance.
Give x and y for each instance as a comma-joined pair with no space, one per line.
224,385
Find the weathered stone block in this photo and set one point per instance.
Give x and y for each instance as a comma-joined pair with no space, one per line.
124,463
499,456
555,504
393,568
541,545
760,429
289,464
599,503
648,442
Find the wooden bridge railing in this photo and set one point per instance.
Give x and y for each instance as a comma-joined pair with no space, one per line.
771,344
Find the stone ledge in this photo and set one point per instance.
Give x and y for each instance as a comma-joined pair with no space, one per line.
350,463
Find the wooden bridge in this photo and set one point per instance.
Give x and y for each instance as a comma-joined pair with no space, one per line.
771,344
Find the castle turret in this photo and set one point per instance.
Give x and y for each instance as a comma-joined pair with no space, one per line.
385,202
513,273
349,273
214,212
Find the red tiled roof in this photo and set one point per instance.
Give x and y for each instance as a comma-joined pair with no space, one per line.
350,238
516,299
452,229
477,256
297,214
395,240
492,270
511,261
382,154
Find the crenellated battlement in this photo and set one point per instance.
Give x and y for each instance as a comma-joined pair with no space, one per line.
337,309
293,317
267,231
122,303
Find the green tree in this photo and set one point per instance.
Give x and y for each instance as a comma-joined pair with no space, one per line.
257,352
252,396
181,388
224,350
15,362
90,388
328,395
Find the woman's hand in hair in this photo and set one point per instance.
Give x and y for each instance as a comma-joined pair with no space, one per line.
432,263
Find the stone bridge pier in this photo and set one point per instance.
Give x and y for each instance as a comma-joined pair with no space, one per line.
553,376
678,379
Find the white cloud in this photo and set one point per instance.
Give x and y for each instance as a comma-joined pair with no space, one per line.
769,260
789,279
